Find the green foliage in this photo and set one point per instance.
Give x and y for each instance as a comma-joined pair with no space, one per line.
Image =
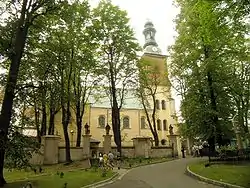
19,151
116,57
206,66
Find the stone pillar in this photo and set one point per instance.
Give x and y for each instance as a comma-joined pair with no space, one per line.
173,142
107,143
50,149
86,146
142,146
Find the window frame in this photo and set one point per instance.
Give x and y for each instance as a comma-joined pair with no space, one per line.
163,105
165,125
99,125
157,104
143,127
158,123
126,117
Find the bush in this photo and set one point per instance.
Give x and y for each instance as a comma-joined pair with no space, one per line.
19,150
227,151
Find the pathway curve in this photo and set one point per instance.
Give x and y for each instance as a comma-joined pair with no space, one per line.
165,175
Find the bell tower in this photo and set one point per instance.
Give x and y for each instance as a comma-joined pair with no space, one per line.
150,45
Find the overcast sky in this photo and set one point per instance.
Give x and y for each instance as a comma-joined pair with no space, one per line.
160,12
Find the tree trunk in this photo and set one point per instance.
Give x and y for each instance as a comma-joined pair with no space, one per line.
215,129
116,126
44,120
2,180
79,134
79,124
37,124
65,123
51,130
67,143
156,138
9,94
152,127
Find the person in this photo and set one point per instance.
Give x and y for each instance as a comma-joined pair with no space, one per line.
101,162
200,150
195,151
105,159
183,151
111,159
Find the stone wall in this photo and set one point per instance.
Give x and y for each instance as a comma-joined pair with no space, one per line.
75,152
52,153
36,159
161,152
128,151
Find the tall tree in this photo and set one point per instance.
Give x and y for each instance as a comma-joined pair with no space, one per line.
21,15
117,56
202,58
151,78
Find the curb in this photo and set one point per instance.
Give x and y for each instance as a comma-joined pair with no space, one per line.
147,164
103,182
210,181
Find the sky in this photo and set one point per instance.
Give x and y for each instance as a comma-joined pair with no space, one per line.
161,13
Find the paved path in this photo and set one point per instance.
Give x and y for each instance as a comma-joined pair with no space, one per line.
165,175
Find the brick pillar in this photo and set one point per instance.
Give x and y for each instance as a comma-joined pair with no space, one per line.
50,149
142,146
107,143
86,146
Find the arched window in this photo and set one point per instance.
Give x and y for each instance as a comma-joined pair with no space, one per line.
164,125
126,122
157,105
143,122
159,124
163,105
101,121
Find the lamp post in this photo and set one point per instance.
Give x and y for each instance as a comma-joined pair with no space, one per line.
72,133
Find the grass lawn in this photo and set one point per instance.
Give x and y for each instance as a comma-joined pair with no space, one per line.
134,162
50,178
229,173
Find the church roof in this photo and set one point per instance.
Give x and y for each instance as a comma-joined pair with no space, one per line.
131,101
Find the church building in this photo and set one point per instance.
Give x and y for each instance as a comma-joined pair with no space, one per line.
133,119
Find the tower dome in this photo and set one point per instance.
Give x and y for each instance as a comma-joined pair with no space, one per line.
150,45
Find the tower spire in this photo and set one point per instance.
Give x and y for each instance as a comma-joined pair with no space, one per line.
150,45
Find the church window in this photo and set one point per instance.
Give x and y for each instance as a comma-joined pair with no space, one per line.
101,121
143,122
158,124
163,104
126,122
157,104
164,125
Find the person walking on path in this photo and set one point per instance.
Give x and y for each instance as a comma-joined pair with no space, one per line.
111,159
101,163
105,159
200,150
183,151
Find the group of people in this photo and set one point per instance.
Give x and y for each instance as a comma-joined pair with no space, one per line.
107,160
197,150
